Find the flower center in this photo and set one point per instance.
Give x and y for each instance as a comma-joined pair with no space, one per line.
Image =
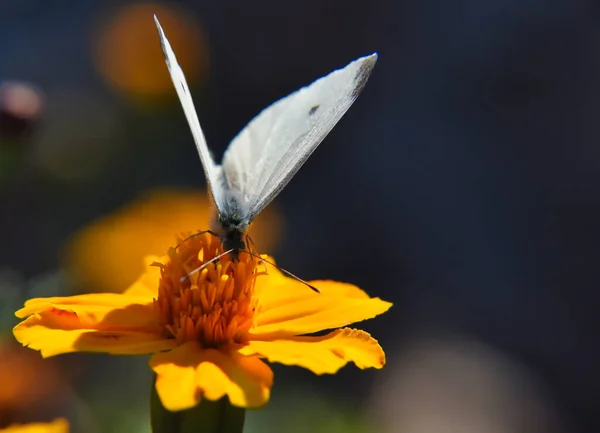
214,306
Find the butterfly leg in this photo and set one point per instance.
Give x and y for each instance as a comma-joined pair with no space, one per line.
251,245
197,234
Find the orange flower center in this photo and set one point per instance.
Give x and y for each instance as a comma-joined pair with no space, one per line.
213,306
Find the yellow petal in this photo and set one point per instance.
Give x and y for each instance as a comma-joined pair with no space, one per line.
288,307
326,354
57,426
52,337
97,310
269,288
104,322
188,373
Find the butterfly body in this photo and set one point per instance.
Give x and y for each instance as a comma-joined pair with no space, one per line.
232,232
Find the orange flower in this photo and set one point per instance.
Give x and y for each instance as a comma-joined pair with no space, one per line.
57,426
210,331
135,68
26,380
108,255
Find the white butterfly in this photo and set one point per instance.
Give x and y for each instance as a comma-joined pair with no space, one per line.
268,152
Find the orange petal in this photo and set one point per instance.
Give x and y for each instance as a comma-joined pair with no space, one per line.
288,307
104,322
52,337
188,373
269,288
147,283
57,426
97,310
326,354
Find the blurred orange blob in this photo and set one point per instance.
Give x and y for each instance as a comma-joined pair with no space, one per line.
57,426
26,381
128,53
108,255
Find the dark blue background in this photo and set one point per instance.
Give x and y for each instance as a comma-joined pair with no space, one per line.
464,184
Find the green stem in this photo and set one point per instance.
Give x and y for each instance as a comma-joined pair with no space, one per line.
207,417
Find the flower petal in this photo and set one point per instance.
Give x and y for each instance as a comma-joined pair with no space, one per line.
104,322
188,373
97,310
268,288
326,354
54,337
59,425
287,307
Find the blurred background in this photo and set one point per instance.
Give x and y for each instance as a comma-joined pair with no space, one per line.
463,185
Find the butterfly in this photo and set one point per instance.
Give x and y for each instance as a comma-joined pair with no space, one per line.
269,151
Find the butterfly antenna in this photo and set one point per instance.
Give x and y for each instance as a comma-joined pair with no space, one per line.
204,265
285,272
194,235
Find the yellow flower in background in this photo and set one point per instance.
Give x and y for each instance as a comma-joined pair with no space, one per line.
57,426
26,381
210,332
134,67
108,255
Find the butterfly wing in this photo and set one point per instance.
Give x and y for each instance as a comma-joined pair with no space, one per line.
268,152
212,171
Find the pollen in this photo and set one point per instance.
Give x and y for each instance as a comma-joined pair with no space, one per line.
213,306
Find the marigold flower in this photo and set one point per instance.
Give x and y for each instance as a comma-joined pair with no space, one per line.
57,426
210,331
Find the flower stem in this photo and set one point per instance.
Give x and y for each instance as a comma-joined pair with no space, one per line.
207,417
